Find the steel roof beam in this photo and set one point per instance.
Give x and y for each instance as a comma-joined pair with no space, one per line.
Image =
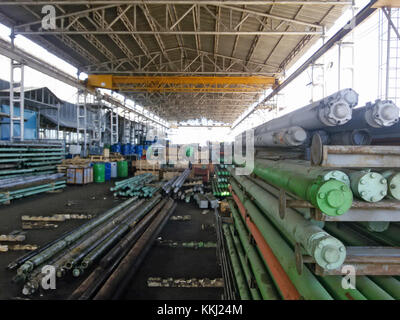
172,2
160,32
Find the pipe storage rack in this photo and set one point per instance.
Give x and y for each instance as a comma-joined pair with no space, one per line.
311,210
29,167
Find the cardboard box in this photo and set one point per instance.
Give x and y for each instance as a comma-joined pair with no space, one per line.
79,175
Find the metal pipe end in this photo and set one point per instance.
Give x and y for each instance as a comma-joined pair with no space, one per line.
329,252
333,198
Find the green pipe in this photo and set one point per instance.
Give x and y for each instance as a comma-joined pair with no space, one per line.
393,182
303,211
34,188
371,290
33,192
238,272
393,233
255,294
66,241
375,226
263,279
368,186
334,285
4,155
306,283
389,284
332,197
370,286
327,251
313,172
376,236
347,235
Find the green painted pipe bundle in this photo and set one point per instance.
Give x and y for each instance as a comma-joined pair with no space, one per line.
255,294
243,288
135,186
263,279
30,158
306,283
327,251
21,193
372,287
332,197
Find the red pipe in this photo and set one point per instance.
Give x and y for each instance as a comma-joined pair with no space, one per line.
286,287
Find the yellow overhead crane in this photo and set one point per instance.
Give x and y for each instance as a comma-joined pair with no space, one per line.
254,84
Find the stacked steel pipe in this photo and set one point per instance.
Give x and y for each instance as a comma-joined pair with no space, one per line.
24,158
276,205
136,186
110,278
27,168
220,182
276,244
334,118
176,183
105,238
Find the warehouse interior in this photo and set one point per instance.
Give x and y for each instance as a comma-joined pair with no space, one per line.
200,150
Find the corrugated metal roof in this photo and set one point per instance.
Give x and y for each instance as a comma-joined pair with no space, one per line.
195,54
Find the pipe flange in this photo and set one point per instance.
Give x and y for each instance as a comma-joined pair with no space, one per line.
337,175
383,113
316,150
371,187
394,185
329,253
295,136
335,113
333,198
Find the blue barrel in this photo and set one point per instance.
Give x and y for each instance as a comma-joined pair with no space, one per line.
133,149
108,171
125,150
139,150
116,148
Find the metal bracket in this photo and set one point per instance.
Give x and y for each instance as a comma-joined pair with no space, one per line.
282,203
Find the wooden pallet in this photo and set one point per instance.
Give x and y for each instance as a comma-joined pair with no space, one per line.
111,158
145,165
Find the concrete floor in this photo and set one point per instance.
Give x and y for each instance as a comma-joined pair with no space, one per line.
180,262
94,199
